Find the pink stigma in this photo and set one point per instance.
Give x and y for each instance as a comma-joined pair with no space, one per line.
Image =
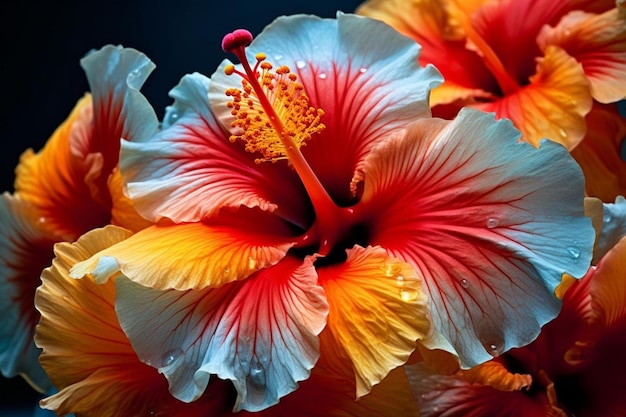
237,39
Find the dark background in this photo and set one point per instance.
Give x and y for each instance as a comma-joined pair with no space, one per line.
43,41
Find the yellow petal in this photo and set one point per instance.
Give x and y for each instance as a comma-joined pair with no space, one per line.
608,288
186,256
553,105
377,312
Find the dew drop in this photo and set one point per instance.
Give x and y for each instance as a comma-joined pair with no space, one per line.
563,133
172,116
41,220
278,57
408,294
363,70
607,218
226,272
300,64
464,283
257,374
322,76
171,357
400,281
494,349
252,263
492,222
574,252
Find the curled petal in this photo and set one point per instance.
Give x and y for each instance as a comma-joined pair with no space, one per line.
25,249
123,212
601,153
377,312
192,255
495,375
67,179
553,105
610,223
189,170
449,396
490,224
360,72
598,42
260,333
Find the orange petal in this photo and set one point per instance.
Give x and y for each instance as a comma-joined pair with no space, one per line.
599,153
53,178
123,212
495,375
553,105
194,255
608,287
377,312
598,42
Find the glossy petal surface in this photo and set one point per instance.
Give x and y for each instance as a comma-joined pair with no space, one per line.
473,211
260,333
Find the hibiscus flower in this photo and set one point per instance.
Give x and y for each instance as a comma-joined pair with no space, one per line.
574,368
539,63
65,190
309,210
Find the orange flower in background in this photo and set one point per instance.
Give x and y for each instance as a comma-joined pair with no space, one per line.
541,63
64,190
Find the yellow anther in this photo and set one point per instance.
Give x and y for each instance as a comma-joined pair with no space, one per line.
260,56
292,122
229,69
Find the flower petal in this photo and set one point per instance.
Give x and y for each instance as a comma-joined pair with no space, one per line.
610,218
434,26
495,375
25,249
360,72
189,170
448,396
123,212
491,224
260,333
377,312
67,180
192,255
598,42
86,353
553,105
599,154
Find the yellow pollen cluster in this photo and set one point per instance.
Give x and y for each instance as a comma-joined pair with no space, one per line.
289,122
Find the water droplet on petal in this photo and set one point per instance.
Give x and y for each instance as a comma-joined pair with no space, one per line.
607,218
562,132
574,252
172,116
492,222
257,374
226,272
171,357
300,64
322,76
363,70
252,263
464,283
409,293
494,349
41,220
